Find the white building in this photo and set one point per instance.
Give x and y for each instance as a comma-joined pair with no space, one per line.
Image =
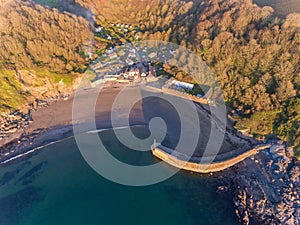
98,29
172,52
182,84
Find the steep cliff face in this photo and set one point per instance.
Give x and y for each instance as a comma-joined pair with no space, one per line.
267,188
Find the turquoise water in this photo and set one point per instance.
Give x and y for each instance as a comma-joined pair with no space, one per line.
56,186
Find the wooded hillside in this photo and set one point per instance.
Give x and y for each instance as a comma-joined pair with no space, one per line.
254,54
32,35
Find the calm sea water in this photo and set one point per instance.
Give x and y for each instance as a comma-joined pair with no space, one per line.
56,186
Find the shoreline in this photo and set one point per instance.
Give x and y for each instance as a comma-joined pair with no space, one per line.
272,173
54,122
61,133
17,150
66,133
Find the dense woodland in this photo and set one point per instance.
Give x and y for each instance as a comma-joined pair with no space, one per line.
254,54
43,41
32,35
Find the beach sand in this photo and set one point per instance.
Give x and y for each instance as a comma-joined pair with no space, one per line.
55,121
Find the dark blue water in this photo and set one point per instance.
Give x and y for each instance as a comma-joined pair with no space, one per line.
56,186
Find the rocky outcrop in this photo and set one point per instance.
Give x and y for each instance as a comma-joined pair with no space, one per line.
20,119
267,187
13,121
41,92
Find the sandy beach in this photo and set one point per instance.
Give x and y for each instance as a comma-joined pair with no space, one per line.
54,122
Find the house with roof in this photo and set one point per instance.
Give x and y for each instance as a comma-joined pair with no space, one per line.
98,29
180,84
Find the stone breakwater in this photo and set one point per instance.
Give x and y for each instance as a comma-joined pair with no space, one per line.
265,181
204,164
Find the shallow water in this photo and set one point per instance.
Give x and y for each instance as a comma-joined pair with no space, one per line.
56,186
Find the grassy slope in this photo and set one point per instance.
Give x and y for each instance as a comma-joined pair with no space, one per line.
11,95
55,77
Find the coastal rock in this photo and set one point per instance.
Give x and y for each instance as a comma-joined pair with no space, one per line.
267,188
14,121
20,119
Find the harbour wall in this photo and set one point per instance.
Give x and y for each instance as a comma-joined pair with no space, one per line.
179,94
184,95
206,164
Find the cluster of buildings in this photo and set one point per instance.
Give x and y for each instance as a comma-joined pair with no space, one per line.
106,35
132,73
124,26
120,27
124,64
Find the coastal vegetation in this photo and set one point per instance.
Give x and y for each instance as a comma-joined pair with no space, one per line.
40,40
35,36
11,95
254,53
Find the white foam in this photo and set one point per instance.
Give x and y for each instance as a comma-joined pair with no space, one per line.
54,142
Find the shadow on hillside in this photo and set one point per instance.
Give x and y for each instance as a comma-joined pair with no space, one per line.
69,6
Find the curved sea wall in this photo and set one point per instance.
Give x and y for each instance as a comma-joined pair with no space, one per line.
204,164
